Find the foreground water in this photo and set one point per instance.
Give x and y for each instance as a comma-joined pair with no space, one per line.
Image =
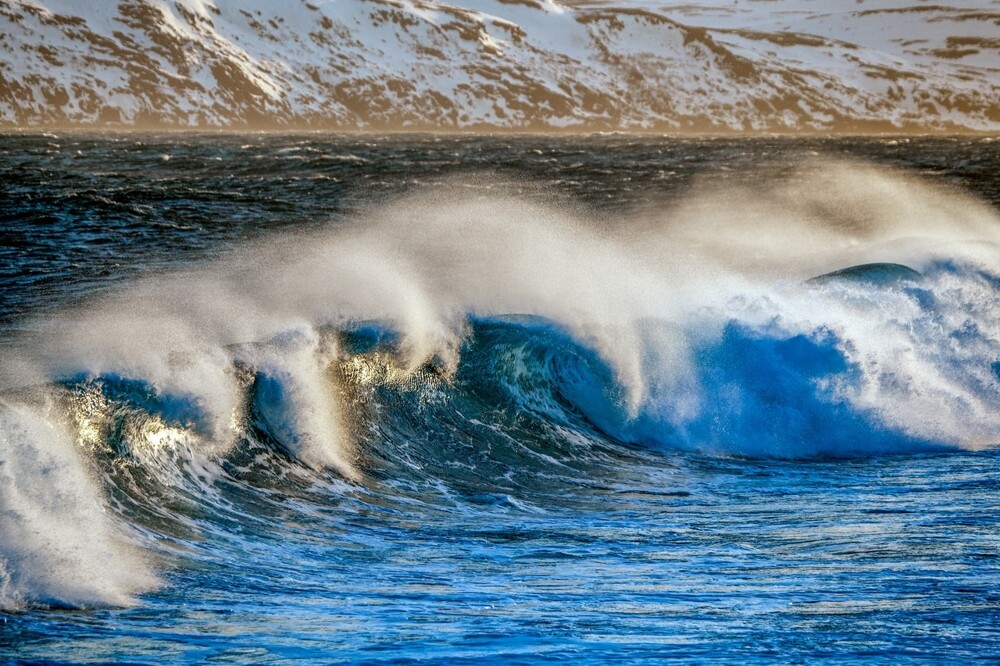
341,399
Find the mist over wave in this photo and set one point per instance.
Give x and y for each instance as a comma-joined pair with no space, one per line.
699,327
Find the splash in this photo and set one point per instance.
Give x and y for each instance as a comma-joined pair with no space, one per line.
59,546
695,328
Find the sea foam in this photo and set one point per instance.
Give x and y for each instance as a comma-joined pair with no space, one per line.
693,327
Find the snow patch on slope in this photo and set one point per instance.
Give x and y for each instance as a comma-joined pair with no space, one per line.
425,64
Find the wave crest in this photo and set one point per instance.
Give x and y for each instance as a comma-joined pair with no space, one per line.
391,345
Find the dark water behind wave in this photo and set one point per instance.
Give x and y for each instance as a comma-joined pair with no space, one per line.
84,211
510,507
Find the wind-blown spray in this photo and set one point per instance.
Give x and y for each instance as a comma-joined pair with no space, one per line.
693,328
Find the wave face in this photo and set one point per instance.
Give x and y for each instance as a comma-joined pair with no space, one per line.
468,350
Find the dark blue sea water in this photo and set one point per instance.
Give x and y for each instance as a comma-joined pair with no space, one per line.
421,399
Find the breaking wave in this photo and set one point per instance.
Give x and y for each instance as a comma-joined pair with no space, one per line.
490,342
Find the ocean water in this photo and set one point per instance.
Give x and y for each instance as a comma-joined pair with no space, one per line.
422,399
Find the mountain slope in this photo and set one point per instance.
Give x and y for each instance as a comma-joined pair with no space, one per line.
532,64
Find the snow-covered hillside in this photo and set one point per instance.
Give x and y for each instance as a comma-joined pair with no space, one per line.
538,64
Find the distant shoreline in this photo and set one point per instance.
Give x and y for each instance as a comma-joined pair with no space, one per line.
125,129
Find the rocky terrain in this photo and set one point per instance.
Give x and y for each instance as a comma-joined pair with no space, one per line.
708,65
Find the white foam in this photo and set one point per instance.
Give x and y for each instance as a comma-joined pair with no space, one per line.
653,297
428,261
296,398
58,545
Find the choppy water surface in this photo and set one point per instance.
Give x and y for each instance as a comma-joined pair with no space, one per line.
361,399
